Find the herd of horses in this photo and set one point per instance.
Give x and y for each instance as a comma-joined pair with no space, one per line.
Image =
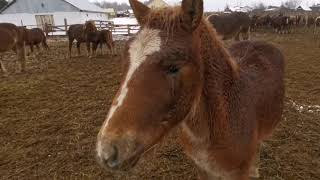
88,33
238,23
16,38
284,24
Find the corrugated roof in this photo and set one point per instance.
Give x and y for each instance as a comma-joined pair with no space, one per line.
303,7
85,5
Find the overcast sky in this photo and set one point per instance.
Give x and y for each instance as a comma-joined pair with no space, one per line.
220,4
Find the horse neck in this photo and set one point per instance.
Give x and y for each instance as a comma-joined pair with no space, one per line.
209,120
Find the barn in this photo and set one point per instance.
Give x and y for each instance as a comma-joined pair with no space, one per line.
33,13
154,4
157,4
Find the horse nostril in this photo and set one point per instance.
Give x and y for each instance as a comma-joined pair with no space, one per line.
110,157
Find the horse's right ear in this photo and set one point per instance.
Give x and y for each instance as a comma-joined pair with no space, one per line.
140,10
192,13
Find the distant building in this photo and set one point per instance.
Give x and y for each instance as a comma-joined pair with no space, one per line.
111,12
241,9
53,12
154,4
272,8
123,13
227,10
315,8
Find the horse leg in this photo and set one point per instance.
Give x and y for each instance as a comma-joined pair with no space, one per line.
38,48
241,174
88,49
78,47
237,37
31,49
110,47
94,49
3,68
101,50
254,170
70,47
246,35
22,59
203,175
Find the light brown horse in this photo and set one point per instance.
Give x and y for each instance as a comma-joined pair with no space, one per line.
231,25
79,33
178,74
12,38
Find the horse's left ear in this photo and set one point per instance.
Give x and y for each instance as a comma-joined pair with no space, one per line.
140,10
192,13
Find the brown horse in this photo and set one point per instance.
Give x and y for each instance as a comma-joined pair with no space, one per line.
36,36
281,24
178,73
317,25
12,38
231,25
99,38
79,32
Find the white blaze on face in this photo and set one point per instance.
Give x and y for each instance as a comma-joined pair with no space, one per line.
146,43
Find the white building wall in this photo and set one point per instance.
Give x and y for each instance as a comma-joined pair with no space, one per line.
72,18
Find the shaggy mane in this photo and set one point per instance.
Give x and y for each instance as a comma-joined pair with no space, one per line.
170,19
167,19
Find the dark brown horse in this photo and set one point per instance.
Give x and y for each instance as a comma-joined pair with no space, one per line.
12,38
317,25
99,38
79,32
281,24
178,73
231,25
35,37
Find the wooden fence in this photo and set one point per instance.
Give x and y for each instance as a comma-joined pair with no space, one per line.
117,29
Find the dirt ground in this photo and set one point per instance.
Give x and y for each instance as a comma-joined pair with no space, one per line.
50,116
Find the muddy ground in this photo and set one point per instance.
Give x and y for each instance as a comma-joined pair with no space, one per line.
50,116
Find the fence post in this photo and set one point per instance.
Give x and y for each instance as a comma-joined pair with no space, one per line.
65,24
46,28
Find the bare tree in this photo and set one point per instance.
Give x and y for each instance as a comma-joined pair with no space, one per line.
292,4
114,5
259,6
3,3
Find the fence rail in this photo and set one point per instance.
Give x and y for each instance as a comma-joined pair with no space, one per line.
117,29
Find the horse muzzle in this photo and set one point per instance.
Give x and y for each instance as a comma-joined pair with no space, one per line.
118,155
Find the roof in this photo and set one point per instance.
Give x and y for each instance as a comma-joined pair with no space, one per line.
240,9
85,5
305,8
82,5
166,2
157,4
315,6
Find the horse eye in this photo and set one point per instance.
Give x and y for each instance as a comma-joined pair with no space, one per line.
173,70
